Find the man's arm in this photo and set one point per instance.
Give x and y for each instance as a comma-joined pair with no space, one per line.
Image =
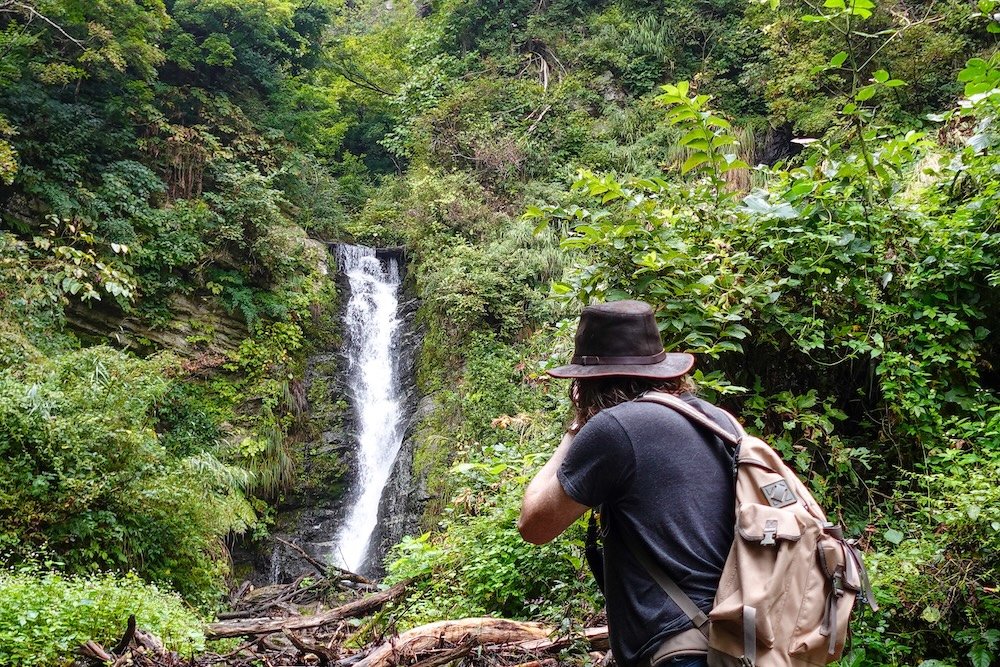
547,510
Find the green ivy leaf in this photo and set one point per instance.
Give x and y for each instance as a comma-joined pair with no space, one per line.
980,657
893,536
865,93
931,614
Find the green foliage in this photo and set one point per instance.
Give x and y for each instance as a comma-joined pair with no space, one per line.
86,476
845,300
46,616
476,562
851,298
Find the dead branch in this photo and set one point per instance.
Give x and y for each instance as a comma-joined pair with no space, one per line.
326,568
264,626
32,13
95,651
444,657
545,110
325,655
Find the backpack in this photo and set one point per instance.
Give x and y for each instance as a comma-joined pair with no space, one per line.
790,580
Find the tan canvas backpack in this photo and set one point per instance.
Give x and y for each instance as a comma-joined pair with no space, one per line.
791,579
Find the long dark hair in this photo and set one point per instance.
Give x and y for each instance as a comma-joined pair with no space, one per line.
591,395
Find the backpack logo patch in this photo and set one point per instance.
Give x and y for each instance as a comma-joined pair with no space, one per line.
778,494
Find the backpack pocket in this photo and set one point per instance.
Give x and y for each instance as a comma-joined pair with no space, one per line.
821,628
767,525
768,540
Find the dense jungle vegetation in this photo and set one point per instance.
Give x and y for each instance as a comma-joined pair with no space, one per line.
808,194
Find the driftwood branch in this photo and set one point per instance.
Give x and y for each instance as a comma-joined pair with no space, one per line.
494,634
446,656
472,631
264,626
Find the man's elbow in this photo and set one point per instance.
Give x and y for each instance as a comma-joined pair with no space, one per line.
532,530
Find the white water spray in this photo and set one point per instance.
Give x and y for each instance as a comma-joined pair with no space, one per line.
371,325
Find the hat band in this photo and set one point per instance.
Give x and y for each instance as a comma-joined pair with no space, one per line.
589,360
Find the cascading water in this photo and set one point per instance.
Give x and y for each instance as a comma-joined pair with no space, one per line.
371,324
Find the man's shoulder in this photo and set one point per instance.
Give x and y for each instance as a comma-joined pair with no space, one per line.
645,411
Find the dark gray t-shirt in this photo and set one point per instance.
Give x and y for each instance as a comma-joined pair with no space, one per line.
670,485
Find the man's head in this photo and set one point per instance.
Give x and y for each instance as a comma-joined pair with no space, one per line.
618,356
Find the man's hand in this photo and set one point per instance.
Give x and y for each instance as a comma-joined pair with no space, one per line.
547,510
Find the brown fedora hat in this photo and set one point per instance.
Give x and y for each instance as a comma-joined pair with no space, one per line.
621,338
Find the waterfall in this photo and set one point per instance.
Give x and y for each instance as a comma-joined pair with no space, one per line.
371,327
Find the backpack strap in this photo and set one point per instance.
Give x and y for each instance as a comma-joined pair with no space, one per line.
680,598
697,416
669,586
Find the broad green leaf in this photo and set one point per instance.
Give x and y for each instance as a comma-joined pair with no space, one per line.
718,122
865,93
980,656
893,536
694,161
697,133
838,59
881,76
799,190
732,162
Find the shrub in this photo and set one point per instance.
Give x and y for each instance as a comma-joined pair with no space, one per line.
84,474
46,616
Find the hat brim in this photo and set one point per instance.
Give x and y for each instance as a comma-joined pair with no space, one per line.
675,365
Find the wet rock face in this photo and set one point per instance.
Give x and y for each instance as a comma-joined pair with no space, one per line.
310,513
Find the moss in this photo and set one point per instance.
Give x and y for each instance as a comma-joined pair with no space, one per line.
433,454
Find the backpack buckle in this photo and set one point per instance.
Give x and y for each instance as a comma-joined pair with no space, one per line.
770,530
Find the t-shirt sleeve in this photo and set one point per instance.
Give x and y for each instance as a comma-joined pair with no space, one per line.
599,463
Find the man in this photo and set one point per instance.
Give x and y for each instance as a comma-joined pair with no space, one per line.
661,483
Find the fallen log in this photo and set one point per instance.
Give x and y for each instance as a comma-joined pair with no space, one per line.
494,634
596,637
471,631
265,626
